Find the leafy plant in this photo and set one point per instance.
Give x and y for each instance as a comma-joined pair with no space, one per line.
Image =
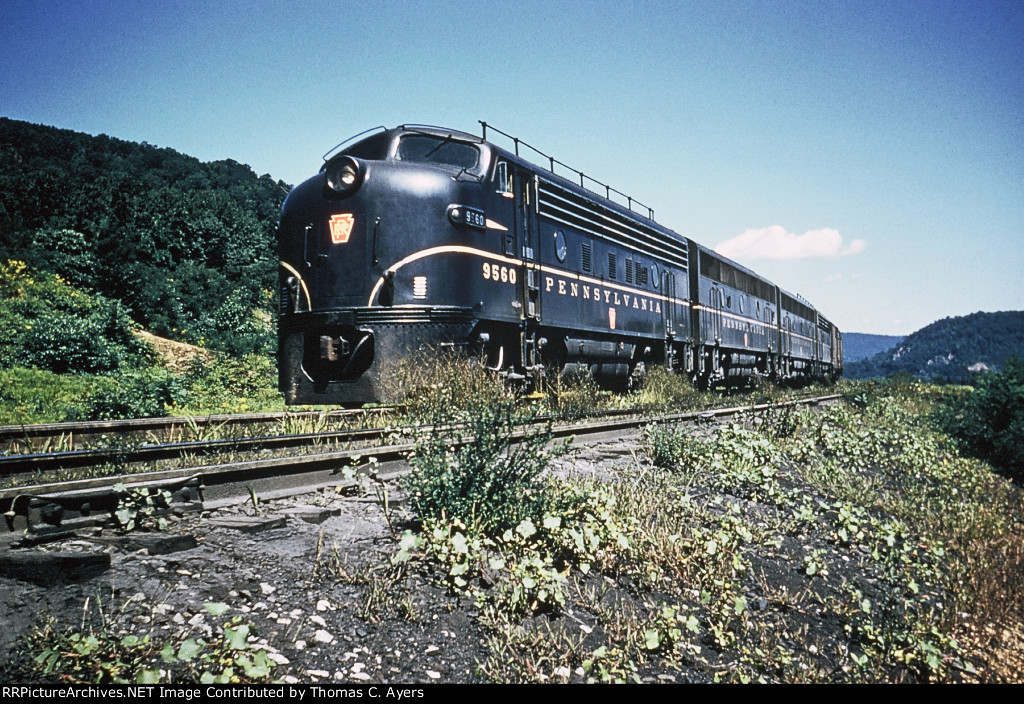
100,657
481,473
140,508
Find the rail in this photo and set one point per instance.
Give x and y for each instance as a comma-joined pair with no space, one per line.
56,506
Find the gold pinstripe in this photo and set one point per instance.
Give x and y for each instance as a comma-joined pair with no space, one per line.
543,268
305,291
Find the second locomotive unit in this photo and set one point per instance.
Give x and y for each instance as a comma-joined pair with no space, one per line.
421,237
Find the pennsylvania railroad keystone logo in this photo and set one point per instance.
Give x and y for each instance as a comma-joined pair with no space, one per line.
341,227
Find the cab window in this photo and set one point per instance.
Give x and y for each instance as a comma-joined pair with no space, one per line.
438,150
502,178
374,148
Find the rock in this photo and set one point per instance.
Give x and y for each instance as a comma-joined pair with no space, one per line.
49,568
249,524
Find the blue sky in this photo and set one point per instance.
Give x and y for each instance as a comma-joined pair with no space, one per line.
866,155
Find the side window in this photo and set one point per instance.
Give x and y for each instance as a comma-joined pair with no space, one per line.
503,179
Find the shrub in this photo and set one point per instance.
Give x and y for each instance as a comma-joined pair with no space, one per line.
237,327
492,482
668,445
138,393
39,396
988,422
47,324
230,384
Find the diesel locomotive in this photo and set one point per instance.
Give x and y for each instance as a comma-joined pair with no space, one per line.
423,237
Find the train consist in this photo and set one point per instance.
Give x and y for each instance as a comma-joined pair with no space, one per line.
421,237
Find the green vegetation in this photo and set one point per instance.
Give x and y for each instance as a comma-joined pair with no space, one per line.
949,350
851,544
68,355
185,248
97,656
491,482
145,237
47,324
988,422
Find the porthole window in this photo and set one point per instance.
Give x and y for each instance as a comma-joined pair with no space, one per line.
560,249
655,277
743,303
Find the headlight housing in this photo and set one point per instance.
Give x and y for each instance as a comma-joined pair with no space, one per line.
343,176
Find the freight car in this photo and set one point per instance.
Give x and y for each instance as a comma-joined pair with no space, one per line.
423,237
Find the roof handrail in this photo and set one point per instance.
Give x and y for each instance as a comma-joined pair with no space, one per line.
353,138
608,190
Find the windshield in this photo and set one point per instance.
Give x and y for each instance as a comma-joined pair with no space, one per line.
438,150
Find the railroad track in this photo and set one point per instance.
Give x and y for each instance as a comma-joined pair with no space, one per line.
46,509
70,435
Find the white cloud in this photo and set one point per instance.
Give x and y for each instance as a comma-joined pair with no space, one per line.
775,243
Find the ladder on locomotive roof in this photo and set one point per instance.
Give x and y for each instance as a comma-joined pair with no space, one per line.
608,190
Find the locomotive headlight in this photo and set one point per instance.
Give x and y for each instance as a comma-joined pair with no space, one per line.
342,176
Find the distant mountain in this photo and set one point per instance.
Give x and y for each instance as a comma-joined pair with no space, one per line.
948,350
860,345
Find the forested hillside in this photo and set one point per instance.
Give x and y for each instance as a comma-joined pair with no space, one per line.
951,349
859,345
187,247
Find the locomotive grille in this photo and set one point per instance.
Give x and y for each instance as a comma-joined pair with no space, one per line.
588,265
575,210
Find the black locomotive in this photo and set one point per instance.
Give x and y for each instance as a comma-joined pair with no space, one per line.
420,237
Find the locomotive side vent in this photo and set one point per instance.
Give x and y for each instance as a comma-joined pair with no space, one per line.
577,211
587,264
611,265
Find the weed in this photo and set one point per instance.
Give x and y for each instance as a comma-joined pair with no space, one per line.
440,387
101,657
140,508
492,480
